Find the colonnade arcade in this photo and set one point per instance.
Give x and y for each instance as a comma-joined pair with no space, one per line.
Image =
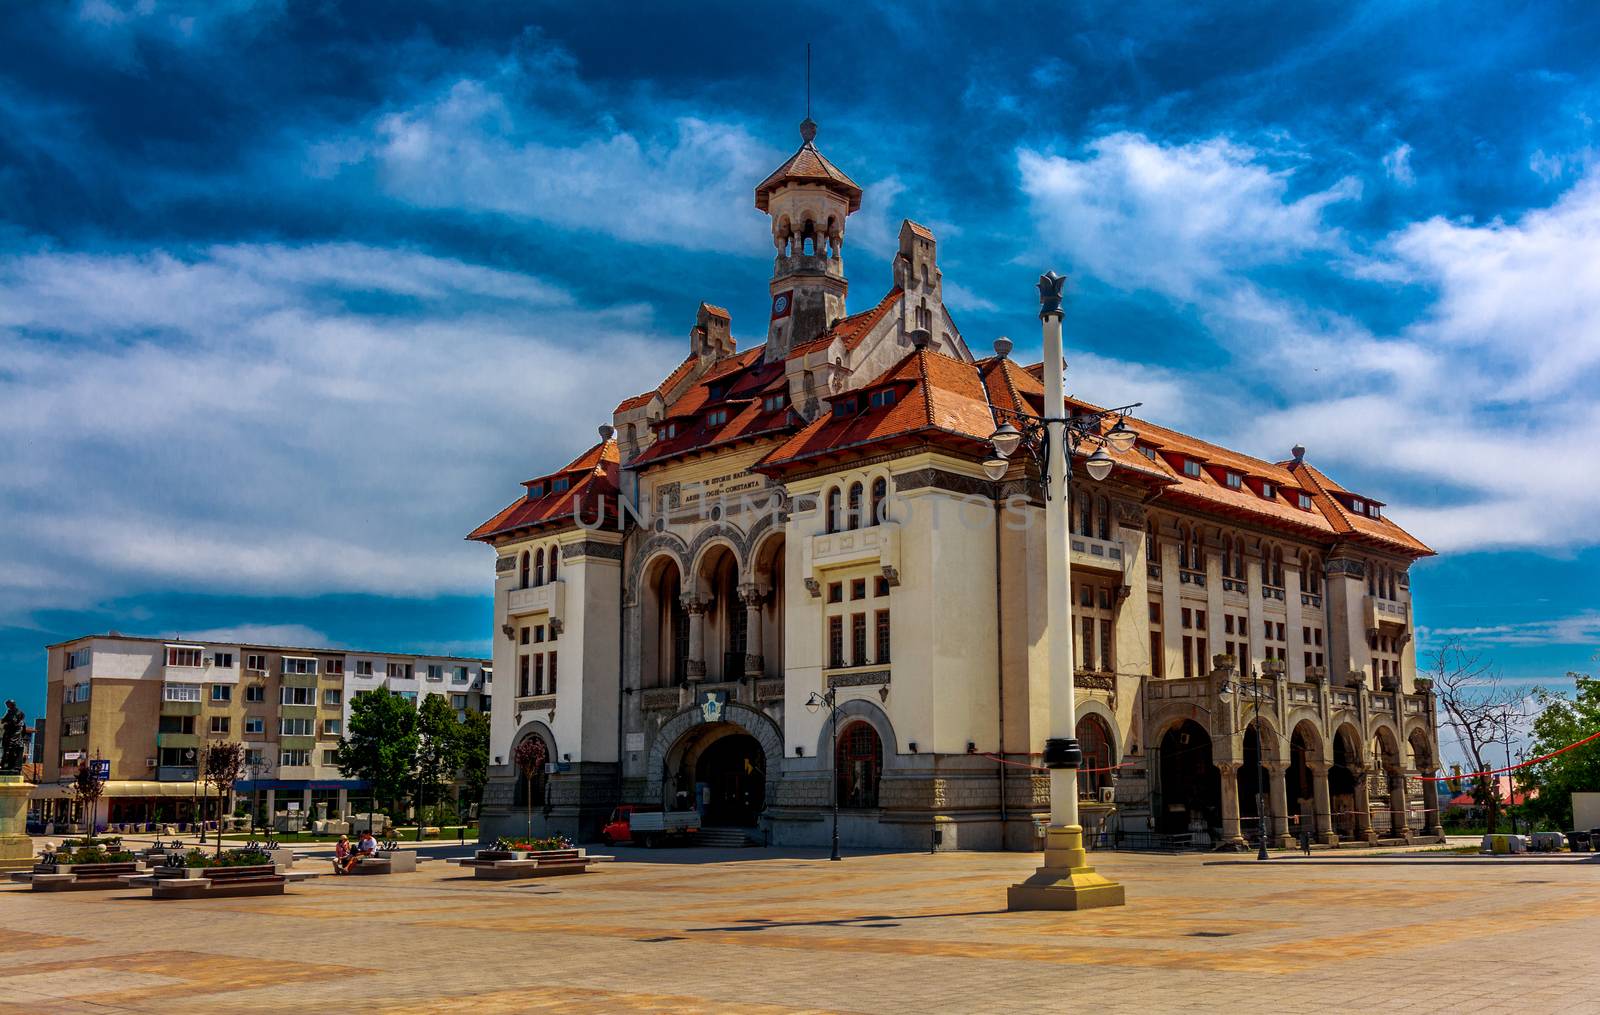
1359,790
724,623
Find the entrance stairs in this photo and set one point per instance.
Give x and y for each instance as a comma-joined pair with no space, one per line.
726,838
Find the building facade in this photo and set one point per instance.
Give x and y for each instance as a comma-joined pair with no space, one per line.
146,707
810,514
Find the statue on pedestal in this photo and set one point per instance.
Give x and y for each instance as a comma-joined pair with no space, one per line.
13,740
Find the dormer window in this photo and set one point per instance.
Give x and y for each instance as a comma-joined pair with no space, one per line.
669,431
535,490
1234,480
883,399
1269,491
844,406
1358,505
772,403
1372,511
718,392
560,485
1304,500
1148,451
1191,468
717,418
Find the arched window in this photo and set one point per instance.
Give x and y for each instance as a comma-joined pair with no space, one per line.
833,509
858,765
854,520
522,571
1372,579
1183,547
1103,509
555,556
1227,556
1094,738
1277,568
880,494
1197,553
538,566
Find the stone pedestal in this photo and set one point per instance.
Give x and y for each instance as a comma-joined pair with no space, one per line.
1065,881
16,848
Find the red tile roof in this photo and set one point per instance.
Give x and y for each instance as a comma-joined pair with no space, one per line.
807,165
936,397
592,493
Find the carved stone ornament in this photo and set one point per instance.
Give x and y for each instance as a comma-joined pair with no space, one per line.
814,587
1050,286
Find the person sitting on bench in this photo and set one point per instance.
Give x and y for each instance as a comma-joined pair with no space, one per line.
366,847
341,855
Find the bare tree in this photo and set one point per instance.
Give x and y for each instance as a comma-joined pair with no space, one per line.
86,789
1480,709
224,760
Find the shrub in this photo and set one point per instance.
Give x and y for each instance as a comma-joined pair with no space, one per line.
196,860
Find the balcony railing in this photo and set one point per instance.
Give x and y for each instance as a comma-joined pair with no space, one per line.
551,598
1195,578
1101,554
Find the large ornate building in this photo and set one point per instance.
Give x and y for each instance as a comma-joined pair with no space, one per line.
811,513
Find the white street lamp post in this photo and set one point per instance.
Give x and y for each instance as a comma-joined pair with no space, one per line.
1065,880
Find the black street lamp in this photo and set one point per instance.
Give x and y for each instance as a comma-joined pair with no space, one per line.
815,702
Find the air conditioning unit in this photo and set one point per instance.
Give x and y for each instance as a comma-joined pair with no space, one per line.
1107,795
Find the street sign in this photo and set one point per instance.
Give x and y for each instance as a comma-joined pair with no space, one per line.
101,767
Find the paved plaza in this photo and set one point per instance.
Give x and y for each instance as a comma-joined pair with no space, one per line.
756,931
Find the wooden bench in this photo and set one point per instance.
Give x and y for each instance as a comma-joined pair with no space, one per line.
75,877
505,865
214,882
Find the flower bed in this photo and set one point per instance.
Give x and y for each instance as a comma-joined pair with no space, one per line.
519,849
75,852
197,860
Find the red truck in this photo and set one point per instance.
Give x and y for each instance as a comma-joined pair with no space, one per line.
648,826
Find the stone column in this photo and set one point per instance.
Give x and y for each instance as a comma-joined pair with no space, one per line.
344,805
1364,830
272,808
753,596
695,667
1399,808
1431,824
1278,803
1322,812
1230,803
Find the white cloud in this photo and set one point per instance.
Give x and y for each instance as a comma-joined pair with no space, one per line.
959,297
224,420
1397,164
1576,629
1174,219
1476,421
294,635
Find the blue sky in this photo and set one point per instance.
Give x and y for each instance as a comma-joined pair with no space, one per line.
292,296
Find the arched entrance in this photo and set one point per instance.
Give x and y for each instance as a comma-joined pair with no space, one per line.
1342,777
1094,739
858,763
1304,748
1190,789
664,641
720,770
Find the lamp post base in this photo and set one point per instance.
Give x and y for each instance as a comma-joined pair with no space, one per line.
1065,880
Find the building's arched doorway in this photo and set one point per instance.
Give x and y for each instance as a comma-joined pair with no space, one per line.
1342,782
720,770
731,780
1190,789
1254,792
664,642
1094,739
1300,790
858,764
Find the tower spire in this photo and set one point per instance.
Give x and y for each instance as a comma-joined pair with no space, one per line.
808,126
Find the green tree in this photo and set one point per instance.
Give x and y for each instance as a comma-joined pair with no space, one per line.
381,744
86,789
1562,721
474,756
438,749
